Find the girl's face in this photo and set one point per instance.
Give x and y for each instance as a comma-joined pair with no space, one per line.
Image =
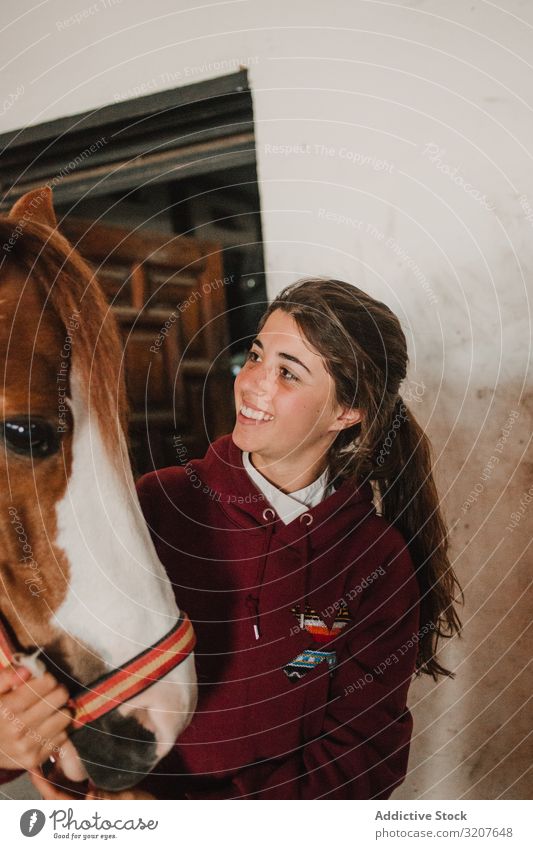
287,412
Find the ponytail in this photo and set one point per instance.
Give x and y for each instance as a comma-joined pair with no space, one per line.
410,502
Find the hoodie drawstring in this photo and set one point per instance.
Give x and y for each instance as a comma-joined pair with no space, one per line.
306,520
252,601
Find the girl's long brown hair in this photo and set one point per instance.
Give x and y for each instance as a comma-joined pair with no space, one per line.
365,351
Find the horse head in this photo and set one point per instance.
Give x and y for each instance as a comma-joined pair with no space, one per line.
80,581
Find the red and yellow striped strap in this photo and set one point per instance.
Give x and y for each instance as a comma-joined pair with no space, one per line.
111,690
120,685
6,648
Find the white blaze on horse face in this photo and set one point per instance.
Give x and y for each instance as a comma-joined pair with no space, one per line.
119,600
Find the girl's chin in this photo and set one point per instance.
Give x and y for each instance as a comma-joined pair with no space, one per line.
246,438
241,440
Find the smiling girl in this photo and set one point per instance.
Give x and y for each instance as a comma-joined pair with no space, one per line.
309,550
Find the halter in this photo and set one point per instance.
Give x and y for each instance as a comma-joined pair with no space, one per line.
118,686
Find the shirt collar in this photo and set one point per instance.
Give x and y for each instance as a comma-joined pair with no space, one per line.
288,507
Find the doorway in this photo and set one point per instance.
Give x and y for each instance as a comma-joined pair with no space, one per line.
160,195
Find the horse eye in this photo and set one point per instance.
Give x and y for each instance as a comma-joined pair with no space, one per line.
34,437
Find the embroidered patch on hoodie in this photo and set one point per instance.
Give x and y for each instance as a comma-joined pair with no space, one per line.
311,622
306,660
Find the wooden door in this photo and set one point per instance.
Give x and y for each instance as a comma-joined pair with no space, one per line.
168,294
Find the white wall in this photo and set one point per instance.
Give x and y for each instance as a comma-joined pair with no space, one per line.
403,134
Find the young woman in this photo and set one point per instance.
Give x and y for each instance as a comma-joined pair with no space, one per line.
312,611
309,550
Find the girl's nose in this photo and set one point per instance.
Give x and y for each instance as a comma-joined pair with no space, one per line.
261,380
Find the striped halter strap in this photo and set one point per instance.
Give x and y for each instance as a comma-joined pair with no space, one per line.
111,690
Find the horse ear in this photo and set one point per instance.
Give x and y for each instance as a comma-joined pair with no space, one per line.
36,206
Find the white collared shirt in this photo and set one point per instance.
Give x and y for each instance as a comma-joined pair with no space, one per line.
288,507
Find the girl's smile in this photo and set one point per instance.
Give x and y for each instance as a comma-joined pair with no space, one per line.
248,414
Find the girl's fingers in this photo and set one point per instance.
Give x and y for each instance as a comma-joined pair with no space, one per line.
94,792
47,706
53,748
51,730
71,763
11,678
57,787
48,789
58,744
20,676
32,691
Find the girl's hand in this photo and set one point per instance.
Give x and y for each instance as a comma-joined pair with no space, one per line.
57,788
32,726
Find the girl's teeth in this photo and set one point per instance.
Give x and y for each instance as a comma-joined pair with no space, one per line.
258,415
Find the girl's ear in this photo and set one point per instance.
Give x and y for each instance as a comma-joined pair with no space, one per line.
348,417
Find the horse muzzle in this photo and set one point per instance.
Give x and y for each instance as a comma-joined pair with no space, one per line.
122,746
115,751
127,720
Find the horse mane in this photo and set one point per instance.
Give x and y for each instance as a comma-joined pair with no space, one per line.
70,287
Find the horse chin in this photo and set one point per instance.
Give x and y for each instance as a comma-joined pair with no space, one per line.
116,751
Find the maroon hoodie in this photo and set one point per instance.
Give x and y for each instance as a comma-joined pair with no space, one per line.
307,637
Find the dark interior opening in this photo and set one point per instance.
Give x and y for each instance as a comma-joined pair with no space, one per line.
160,195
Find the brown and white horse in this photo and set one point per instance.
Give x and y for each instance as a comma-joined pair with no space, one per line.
79,576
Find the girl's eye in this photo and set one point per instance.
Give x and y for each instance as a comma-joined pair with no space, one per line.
288,375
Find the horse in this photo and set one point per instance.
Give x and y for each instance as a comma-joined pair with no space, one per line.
81,585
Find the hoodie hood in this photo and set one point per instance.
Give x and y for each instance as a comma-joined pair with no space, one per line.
223,474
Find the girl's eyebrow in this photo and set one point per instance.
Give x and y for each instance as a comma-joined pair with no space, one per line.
289,357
